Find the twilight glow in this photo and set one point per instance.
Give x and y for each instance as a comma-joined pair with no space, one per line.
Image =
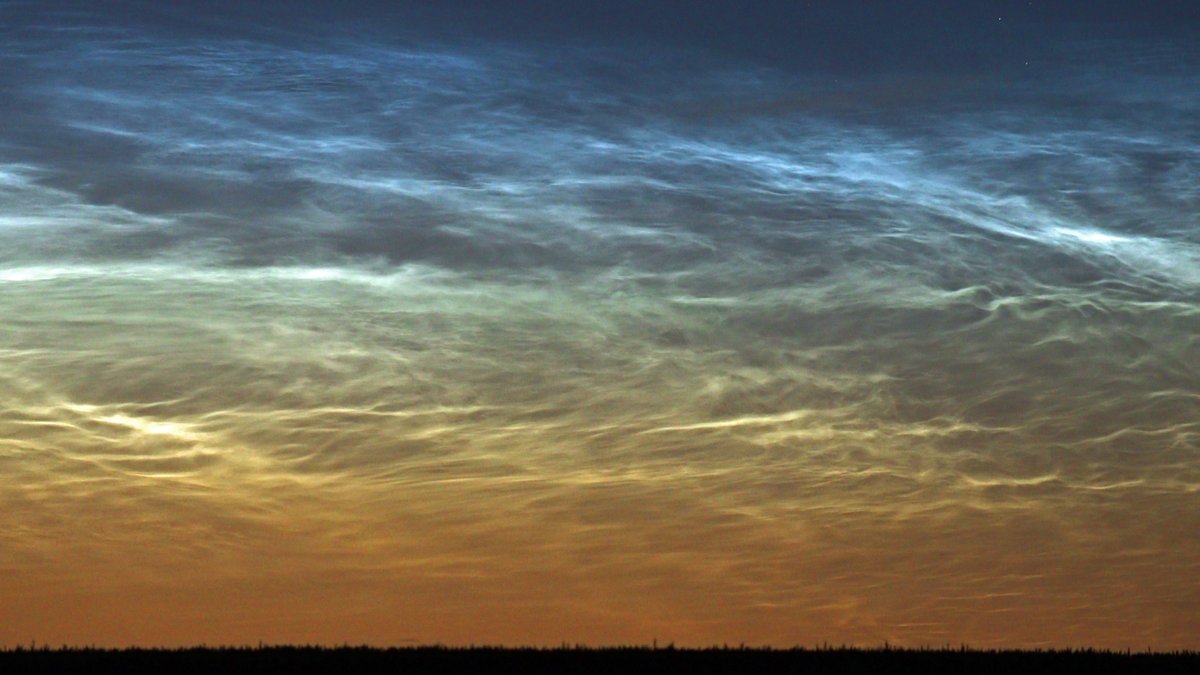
428,325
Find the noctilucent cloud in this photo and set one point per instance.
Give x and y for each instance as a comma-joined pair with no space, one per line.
780,323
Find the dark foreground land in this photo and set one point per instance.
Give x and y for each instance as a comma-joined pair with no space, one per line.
616,660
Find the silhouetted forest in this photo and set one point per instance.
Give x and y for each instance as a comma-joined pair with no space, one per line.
436,659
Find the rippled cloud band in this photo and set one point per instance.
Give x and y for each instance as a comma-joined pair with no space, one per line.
377,338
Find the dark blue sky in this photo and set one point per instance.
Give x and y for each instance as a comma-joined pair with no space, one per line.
812,35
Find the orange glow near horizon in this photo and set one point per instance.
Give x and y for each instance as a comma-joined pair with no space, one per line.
313,488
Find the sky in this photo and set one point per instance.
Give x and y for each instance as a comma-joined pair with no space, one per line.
766,323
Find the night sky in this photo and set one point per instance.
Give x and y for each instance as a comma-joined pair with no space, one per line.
480,322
